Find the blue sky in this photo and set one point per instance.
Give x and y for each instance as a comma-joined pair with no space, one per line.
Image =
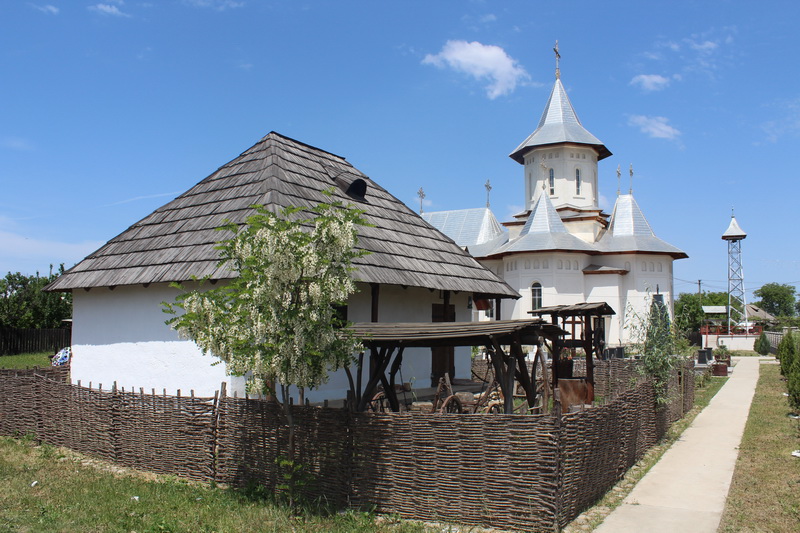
110,109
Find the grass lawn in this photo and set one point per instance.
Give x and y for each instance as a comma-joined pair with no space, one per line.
765,490
25,360
43,488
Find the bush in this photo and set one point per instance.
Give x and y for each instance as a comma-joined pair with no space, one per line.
787,353
762,345
793,384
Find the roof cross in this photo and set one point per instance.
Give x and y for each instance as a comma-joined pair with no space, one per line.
488,186
630,190
558,57
619,176
421,195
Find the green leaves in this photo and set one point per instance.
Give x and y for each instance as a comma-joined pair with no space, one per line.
23,303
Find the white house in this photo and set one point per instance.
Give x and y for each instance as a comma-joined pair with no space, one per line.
413,273
563,249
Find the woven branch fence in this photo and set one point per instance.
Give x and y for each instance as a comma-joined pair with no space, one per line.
524,472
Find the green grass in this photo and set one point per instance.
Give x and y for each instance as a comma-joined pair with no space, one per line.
25,360
765,490
590,519
43,488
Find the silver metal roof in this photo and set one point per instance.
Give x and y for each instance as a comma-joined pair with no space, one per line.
544,231
559,124
468,227
734,232
629,231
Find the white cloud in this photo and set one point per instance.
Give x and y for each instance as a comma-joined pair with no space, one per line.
108,9
787,125
482,62
146,197
16,144
489,17
650,82
50,10
604,203
219,5
27,255
656,127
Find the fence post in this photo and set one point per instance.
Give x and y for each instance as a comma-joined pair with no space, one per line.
219,397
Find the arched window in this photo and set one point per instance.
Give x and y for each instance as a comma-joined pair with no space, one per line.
577,181
536,296
552,182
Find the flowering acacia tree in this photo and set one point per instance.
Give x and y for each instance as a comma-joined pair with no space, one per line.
278,320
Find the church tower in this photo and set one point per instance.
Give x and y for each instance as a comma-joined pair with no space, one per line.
560,156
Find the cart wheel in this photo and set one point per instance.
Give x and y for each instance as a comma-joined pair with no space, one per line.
379,403
452,406
494,408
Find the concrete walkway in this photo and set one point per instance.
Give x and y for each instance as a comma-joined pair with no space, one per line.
686,490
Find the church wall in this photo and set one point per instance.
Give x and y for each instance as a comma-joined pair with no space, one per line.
564,160
559,274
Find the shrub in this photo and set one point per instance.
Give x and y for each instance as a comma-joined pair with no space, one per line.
787,353
762,345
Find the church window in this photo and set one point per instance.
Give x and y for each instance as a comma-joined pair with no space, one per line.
560,264
536,296
536,264
644,266
651,267
575,265
658,267
569,266
545,264
527,264
552,182
577,181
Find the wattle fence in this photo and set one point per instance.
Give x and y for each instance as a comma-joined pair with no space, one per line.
14,341
525,472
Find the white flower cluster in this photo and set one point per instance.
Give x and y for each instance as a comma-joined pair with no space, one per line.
278,320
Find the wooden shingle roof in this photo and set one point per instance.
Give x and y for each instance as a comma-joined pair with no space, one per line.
177,241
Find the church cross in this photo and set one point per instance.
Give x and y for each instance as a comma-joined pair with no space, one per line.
488,186
619,176
558,57
421,195
630,191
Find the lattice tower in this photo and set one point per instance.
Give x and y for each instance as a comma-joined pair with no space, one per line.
737,304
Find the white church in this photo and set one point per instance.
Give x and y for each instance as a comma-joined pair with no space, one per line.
563,249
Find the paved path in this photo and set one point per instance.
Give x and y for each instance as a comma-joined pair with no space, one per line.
686,490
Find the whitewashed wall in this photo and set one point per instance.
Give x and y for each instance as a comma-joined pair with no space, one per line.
121,336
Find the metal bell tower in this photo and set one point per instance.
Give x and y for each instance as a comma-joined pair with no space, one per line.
737,305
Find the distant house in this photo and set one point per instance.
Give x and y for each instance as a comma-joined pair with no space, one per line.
414,273
562,249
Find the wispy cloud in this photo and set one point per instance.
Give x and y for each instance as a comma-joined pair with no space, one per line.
47,8
109,9
700,53
146,197
219,5
23,254
650,82
16,144
787,123
482,62
656,127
